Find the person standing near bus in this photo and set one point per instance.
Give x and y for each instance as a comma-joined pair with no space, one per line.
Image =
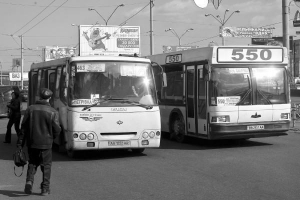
40,126
14,116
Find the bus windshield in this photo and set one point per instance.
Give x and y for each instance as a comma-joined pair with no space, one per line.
248,86
111,84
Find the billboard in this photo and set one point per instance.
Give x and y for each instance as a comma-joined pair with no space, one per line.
16,62
167,49
55,52
248,32
16,76
274,41
108,40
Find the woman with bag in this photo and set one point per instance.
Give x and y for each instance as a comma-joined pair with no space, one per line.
14,116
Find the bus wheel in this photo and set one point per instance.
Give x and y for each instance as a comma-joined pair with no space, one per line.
177,131
138,151
71,153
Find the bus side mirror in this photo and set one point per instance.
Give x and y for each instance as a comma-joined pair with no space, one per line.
164,80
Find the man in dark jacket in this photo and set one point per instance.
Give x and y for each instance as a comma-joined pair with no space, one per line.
14,116
39,127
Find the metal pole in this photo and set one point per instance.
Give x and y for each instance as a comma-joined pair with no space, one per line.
151,29
285,29
22,62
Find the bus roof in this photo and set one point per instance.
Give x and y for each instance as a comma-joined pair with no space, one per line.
63,61
224,54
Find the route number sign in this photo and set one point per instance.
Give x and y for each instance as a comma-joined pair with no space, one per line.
174,58
249,55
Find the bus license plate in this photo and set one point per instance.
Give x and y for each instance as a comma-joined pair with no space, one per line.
257,127
119,143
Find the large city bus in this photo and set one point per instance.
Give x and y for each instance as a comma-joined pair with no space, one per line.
104,102
224,92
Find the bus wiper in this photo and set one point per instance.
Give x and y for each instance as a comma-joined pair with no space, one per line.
264,96
100,101
244,97
147,107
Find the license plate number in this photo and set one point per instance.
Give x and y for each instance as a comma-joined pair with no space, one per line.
119,143
257,127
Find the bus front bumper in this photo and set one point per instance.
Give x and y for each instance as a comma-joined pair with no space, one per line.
242,130
114,144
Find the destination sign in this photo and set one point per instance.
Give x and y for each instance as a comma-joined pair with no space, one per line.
249,55
90,67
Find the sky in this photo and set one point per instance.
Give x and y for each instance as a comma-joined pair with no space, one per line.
48,23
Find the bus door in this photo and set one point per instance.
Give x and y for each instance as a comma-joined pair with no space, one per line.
51,84
196,100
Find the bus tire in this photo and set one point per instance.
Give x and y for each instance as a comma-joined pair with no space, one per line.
138,151
177,129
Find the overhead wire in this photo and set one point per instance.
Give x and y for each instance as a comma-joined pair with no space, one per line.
135,14
35,16
45,17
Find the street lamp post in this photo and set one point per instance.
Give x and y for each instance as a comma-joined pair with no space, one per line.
222,21
179,37
106,21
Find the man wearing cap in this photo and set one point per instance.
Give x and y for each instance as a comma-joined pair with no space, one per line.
39,127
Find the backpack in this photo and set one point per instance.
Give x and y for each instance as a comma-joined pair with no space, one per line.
20,160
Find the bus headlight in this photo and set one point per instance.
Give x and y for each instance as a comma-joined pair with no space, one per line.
145,135
90,136
151,134
82,136
218,119
75,135
284,115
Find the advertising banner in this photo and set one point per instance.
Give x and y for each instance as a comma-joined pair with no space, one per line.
274,41
243,32
16,76
16,62
109,40
167,49
55,52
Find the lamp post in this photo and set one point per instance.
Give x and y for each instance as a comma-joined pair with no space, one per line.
222,21
179,37
106,21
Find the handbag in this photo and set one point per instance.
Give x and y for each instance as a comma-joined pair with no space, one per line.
20,160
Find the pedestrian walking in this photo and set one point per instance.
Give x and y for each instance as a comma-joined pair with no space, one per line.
40,126
14,116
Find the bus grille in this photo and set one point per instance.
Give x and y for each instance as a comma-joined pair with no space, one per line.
120,133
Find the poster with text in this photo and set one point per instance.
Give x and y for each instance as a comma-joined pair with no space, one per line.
109,40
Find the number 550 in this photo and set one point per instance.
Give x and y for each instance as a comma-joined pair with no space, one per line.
251,54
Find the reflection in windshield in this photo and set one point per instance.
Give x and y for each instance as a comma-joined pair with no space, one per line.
235,86
90,82
270,85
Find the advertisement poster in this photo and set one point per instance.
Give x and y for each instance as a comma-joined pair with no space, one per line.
55,52
16,62
274,41
167,49
249,32
109,40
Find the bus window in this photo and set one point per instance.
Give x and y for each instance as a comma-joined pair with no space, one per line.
270,85
131,81
201,92
230,86
57,85
43,80
52,86
174,92
63,93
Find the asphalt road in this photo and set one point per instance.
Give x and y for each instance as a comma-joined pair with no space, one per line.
265,168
